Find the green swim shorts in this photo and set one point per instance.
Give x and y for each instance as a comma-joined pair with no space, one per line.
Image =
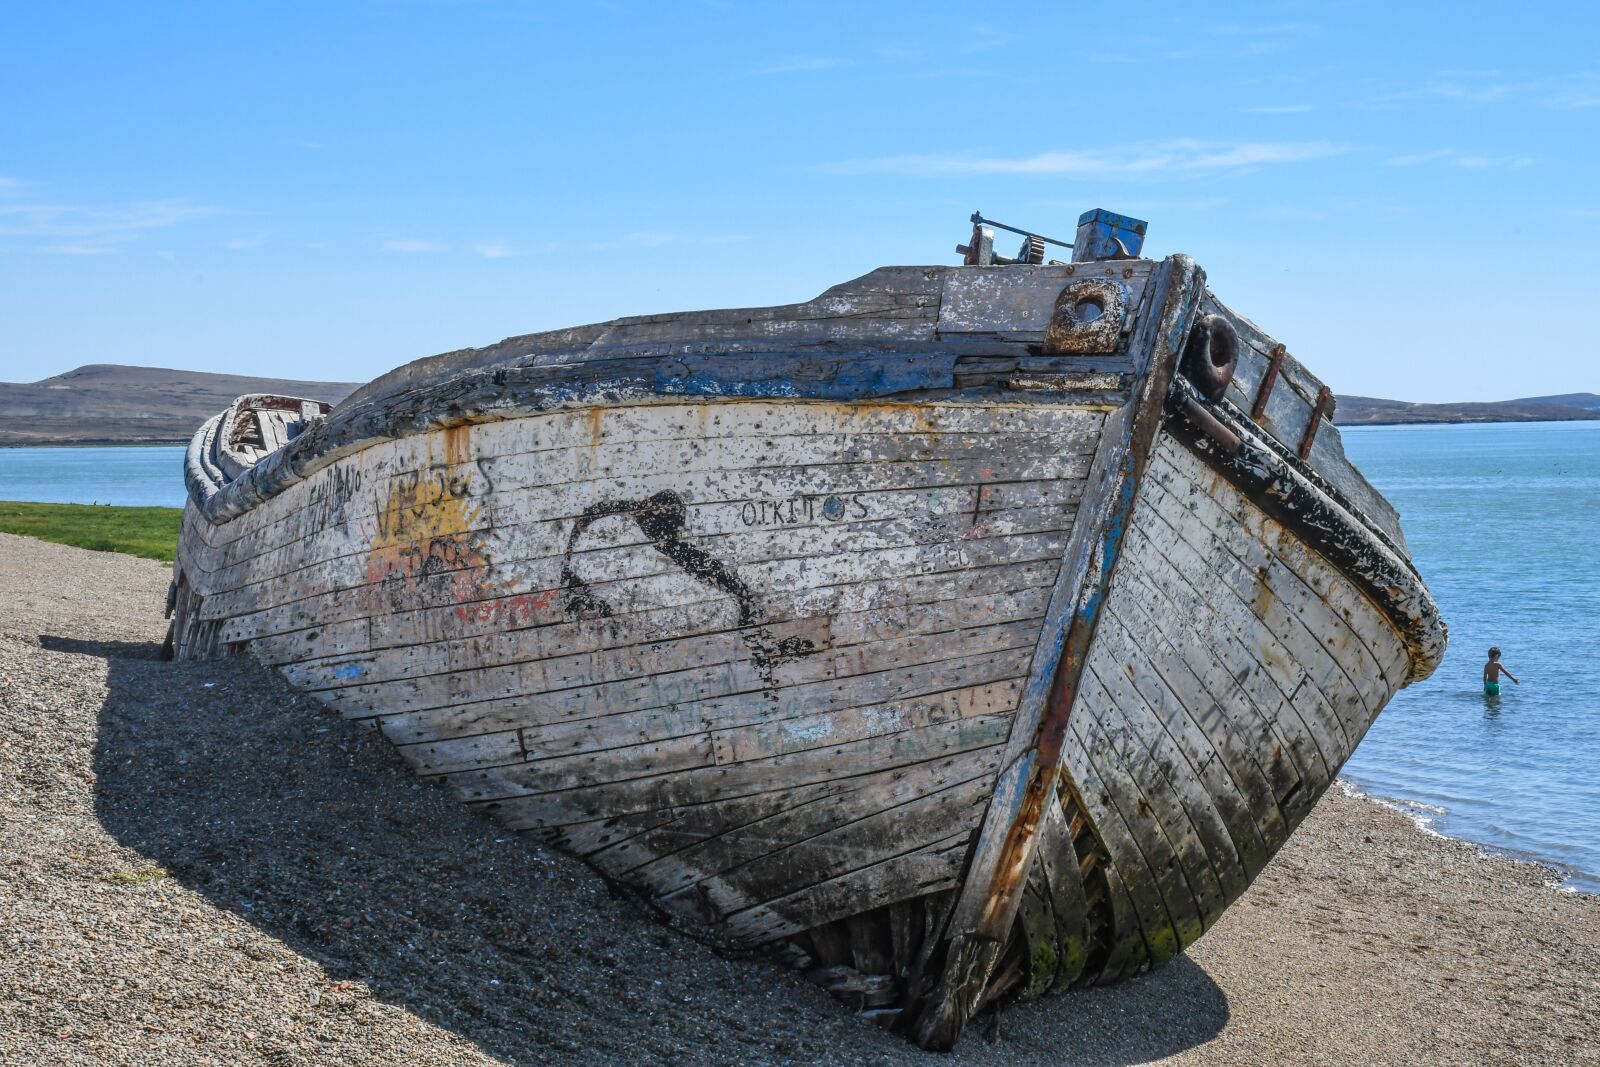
1492,688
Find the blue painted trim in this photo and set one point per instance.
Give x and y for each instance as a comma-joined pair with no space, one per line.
846,378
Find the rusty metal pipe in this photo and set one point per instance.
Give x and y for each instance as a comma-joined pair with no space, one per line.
1212,427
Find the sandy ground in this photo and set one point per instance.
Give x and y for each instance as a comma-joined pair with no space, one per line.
199,867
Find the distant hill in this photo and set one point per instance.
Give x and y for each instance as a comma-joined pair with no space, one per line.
104,403
1370,411
1587,401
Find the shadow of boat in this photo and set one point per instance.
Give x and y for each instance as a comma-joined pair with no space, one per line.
312,829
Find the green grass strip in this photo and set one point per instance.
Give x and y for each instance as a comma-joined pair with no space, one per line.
148,532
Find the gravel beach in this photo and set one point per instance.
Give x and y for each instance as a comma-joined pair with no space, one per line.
198,866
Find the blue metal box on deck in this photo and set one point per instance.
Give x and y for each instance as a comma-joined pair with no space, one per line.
1104,234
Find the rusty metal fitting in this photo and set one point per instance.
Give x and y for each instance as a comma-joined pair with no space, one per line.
1211,356
1088,318
1207,423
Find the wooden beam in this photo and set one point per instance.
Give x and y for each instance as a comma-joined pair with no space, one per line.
997,875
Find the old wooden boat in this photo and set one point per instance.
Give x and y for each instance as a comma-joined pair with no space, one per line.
964,633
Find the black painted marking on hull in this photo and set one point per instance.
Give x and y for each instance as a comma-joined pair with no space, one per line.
661,519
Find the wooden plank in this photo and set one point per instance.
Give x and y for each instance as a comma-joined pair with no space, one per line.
799,733
1129,953
523,800
794,578
1282,655
1298,617
823,840
848,602
1147,917
695,637
1287,412
494,613
724,665
742,740
1035,929
731,500
1251,536
931,868
652,420
1217,807
727,491
1225,715
670,840
394,585
717,699
519,563
1364,619
1154,763
1062,890
1017,301
499,459
1122,796
1214,651
733,489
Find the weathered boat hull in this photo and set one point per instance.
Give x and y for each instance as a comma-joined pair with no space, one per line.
963,666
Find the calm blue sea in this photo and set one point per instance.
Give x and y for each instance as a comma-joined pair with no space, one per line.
134,476
1503,520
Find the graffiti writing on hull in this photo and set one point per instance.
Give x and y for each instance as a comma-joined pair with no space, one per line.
432,530
661,519
802,509
334,488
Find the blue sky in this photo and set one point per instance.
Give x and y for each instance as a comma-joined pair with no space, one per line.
1405,194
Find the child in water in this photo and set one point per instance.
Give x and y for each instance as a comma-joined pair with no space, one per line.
1492,672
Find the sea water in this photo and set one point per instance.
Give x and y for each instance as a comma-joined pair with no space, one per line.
1502,521
139,476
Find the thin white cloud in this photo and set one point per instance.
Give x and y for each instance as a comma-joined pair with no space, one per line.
645,240
1480,93
1576,93
1156,159
648,239
1492,162
1566,91
494,250
1457,158
1416,158
1279,109
87,229
1281,29
801,65
1233,41
410,246
245,244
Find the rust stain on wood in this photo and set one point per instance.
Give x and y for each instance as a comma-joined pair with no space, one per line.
1269,378
458,443
1322,408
